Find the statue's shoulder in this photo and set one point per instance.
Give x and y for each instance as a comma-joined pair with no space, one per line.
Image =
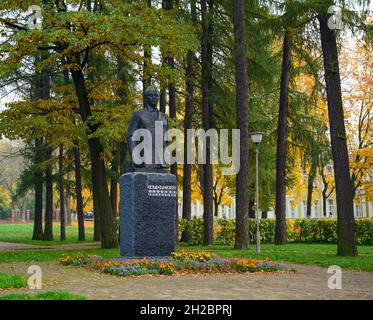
138,113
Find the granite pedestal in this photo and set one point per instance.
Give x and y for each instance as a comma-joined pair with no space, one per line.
147,214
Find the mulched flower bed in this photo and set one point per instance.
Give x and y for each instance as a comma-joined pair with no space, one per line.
179,263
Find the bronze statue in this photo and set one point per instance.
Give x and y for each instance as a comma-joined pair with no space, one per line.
151,119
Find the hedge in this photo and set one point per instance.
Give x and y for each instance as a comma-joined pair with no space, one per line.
298,230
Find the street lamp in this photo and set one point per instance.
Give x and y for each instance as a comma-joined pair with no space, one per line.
256,138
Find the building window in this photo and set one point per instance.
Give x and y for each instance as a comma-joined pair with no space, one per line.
330,208
358,211
316,209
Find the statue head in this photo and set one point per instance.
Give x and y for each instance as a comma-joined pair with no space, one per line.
151,96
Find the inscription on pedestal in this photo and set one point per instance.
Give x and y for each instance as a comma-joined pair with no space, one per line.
161,191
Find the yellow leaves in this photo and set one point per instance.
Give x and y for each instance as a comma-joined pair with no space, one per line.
72,67
357,66
28,119
5,196
104,89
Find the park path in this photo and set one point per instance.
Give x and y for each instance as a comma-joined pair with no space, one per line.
309,282
10,246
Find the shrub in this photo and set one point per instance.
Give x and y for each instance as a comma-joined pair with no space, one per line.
195,226
226,231
297,230
364,231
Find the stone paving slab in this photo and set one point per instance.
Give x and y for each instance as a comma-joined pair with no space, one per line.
309,282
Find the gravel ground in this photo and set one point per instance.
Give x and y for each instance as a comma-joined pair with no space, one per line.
309,282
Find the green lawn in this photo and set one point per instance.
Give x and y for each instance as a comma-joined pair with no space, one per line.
313,254
51,295
8,281
22,233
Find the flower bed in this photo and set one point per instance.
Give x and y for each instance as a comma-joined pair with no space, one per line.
182,262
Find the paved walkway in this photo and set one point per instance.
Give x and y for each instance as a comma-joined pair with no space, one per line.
10,246
309,282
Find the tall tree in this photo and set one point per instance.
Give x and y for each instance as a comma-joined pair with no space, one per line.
343,185
78,191
146,74
310,186
328,185
206,59
114,181
38,176
188,119
48,227
242,116
169,5
62,194
40,89
280,209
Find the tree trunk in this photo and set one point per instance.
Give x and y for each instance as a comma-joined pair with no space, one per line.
324,204
242,118
78,192
187,168
264,214
114,183
38,175
100,188
40,89
48,227
101,197
206,56
62,195
162,99
168,5
280,210
188,118
345,210
68,208
311,180
123,94
96,217
216,208
146,76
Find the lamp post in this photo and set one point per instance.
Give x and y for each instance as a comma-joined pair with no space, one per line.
256,138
